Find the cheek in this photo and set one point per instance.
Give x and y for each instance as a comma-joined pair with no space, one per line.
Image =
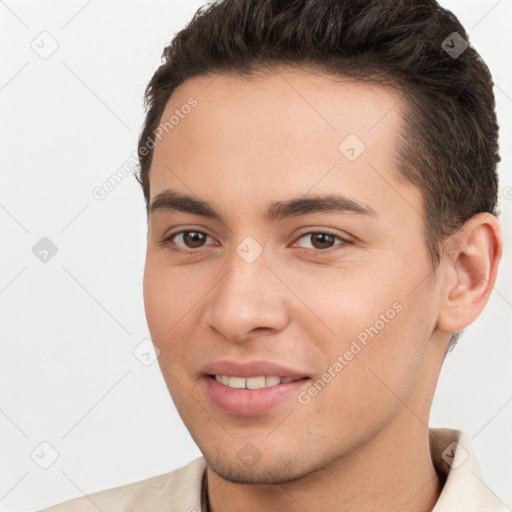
385,372
372,320
378,297
371,381
157,304
168,296
347,300
172,300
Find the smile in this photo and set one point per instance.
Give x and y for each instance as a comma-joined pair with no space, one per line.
259,382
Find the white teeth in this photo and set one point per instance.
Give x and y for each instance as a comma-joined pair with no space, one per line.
272,381
223,379
251,382
236,382
255,382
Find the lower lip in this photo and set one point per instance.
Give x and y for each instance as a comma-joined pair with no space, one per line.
250,402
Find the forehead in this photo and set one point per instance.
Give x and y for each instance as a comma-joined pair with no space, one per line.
308,104
290,130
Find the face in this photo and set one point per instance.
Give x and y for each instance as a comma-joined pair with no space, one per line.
287,282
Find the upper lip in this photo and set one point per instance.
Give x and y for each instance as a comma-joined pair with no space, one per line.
250,369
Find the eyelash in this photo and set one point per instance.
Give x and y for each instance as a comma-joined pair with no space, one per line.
168,242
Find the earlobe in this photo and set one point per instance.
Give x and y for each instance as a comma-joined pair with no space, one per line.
470,270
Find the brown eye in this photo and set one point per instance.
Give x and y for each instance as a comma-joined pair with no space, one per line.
192,239
322,240
185,241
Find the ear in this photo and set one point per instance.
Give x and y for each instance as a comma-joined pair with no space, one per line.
469,266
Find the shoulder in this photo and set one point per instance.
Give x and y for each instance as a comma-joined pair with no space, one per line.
177,490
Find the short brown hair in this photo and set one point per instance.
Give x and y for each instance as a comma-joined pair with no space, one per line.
449,144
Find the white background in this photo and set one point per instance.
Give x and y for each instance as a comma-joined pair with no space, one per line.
69,326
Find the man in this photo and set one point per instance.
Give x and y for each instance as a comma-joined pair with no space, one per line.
320,180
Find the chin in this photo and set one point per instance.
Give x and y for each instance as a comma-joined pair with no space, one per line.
277,472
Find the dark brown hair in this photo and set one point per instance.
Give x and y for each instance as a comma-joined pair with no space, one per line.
449,141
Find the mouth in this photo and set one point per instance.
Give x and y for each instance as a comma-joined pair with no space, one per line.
251,388
260,382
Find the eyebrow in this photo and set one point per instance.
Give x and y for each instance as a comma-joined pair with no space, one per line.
330,203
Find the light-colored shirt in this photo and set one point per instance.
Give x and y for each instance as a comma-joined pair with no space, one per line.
180,490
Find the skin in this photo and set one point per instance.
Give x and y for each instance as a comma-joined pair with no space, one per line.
363,441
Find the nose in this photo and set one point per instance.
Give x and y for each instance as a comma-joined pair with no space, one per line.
248,298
